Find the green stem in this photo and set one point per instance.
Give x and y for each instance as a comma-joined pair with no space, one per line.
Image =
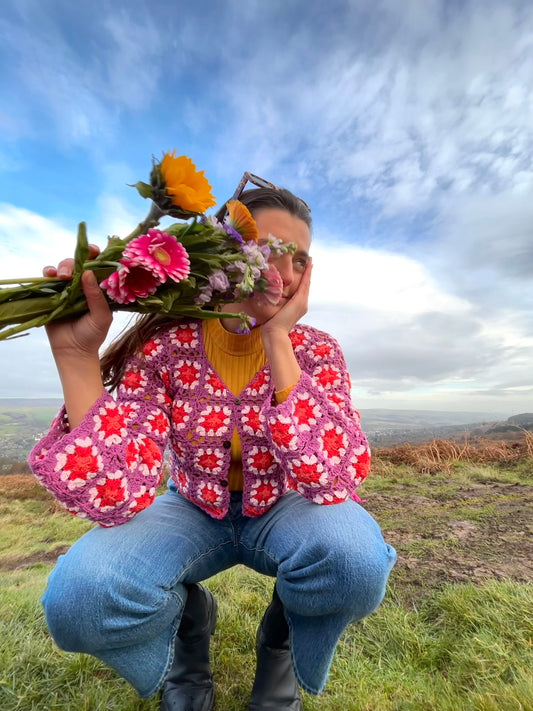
151,220
30,280
94,264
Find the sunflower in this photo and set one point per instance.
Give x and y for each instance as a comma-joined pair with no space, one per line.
177,181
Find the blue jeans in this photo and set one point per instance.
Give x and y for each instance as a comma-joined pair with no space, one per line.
118,593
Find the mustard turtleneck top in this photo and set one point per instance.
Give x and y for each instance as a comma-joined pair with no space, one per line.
236,358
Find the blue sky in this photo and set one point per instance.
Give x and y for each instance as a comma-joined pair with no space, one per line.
408,128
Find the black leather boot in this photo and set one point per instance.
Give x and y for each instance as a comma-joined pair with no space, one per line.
275,685
189,683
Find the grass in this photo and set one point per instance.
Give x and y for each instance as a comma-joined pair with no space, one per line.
26,518
434,644
464,647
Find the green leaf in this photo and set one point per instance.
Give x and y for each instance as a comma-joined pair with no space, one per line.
23,310
82,251
73,290
113,250
144,190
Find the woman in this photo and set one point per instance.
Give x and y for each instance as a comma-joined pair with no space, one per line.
262,438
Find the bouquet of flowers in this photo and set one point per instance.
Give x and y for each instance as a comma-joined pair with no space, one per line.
191,268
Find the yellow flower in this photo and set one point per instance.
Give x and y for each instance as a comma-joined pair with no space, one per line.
186,187
240,218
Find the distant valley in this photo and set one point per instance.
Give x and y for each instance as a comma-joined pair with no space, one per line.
23,421
385,427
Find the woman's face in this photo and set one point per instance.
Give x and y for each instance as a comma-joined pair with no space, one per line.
287,228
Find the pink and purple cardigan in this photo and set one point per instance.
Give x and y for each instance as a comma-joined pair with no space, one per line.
107,468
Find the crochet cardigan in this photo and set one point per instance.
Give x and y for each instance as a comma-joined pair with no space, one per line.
107,468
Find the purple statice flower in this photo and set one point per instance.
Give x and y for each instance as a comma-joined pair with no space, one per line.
245,325
274,245
232,233
238,267
204,295
256,258
218,280
212,222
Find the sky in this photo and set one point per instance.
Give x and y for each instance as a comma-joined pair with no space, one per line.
406,126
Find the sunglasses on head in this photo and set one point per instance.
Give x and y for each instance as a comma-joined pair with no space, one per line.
260,183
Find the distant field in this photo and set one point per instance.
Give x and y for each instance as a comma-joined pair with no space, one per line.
375,417
21,423
26,417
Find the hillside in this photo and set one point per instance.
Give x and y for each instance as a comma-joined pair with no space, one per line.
384,427
23,421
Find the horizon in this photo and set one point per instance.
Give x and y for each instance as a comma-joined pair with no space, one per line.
59,399
407,128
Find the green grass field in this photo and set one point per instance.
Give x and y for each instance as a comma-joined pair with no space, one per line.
454,633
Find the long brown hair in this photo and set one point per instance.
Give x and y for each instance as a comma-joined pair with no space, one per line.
130,341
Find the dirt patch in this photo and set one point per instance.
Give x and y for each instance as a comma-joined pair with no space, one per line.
442,530
46,557
482,531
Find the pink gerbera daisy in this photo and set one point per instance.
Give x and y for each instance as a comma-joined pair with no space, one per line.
130,283
159,253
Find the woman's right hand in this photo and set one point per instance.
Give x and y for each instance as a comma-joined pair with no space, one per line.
83,336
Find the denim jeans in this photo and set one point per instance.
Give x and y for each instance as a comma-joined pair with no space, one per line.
118,593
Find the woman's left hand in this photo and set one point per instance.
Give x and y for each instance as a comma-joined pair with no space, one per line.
293,310
279,353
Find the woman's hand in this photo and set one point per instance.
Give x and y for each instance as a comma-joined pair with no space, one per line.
293,310
66,266
284,367
75,343
81,337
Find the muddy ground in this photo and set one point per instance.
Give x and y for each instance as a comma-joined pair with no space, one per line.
457,533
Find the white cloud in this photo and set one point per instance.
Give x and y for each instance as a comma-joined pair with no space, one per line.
407,126
483,252
404,335
375,279
28,242
442,105
78,88
400,330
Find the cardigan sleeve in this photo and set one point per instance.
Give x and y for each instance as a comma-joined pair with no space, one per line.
316,433
107,469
